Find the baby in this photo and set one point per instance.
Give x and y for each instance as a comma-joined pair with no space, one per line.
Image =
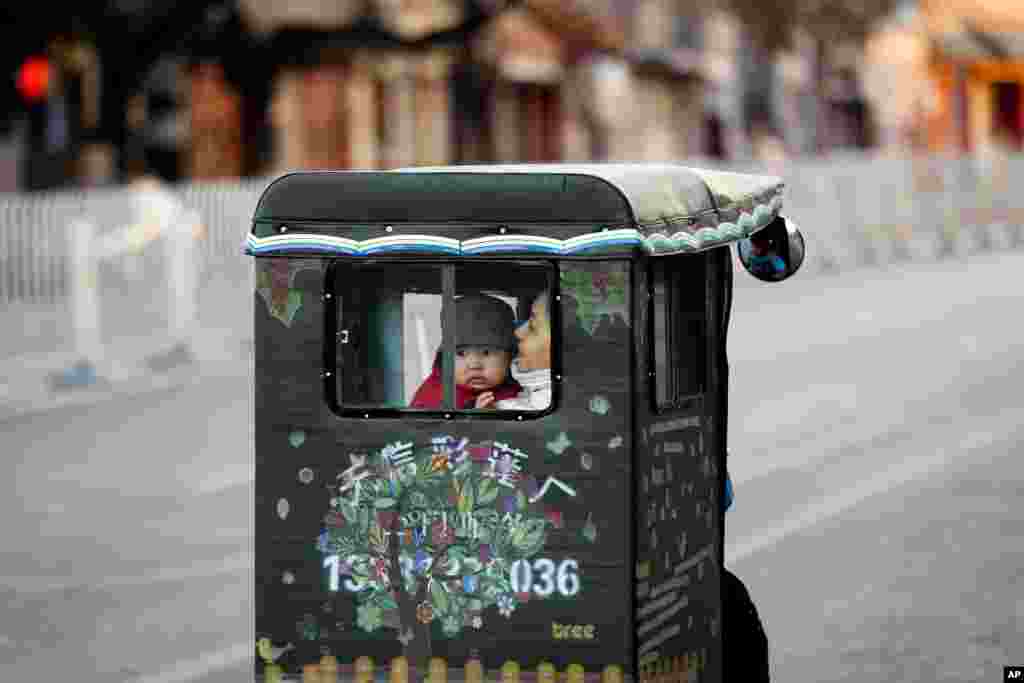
484,342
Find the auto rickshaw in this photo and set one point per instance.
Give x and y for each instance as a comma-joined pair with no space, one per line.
582,537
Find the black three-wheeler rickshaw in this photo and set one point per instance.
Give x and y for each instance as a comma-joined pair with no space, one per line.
490,418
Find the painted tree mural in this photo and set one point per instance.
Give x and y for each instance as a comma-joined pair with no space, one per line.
435,534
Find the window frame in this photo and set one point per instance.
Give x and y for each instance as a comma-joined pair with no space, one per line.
676,399
449,269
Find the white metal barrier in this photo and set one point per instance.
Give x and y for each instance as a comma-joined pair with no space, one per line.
159,217
78,270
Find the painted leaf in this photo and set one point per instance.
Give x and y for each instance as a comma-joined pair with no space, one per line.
384,503
517,535
349,511
294,304
533,543
387,601
465,503
440,597
560,443
488,492
377,539
599,405
471,564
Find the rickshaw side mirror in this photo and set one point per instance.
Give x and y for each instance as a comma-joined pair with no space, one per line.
773,253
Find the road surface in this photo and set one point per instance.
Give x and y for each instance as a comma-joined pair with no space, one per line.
876,428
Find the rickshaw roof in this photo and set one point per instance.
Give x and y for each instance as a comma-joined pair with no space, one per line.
555,209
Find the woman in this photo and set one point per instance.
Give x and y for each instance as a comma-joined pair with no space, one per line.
531,368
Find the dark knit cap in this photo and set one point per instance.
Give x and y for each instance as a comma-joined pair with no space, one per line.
482,320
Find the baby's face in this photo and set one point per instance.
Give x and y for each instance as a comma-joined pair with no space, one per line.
481,368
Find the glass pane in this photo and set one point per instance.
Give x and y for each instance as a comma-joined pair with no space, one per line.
422,319
503,336
690,327
390,336
389,331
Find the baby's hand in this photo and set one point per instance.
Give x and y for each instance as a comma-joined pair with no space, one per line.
485,400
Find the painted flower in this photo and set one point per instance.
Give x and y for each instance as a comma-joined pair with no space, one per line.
523,596
425,612
368,617
556,519
506,604
422,560
280,280
439,462
478,622
387,519
459,450
479,454
485,553
615,442
469,583
323,542
380,569
531,486
441,533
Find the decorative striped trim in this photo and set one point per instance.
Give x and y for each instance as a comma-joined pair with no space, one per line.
626,238
746,225
328,244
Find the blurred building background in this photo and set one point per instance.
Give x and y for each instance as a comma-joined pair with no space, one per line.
227,89
885,374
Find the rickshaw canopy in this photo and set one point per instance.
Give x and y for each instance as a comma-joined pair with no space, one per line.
521,209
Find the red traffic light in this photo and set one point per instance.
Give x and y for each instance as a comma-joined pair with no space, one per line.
34,79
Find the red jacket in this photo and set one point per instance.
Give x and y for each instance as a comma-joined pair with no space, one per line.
431,392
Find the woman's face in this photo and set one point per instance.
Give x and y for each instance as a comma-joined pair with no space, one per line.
481,368
535,338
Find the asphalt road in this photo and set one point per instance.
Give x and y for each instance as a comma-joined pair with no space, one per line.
875,427
876,434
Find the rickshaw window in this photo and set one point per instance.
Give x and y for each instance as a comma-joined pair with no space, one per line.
679,321
389,351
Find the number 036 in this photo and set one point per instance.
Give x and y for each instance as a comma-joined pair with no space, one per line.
543,577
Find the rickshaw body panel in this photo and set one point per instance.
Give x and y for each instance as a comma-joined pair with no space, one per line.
290,402
643,520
